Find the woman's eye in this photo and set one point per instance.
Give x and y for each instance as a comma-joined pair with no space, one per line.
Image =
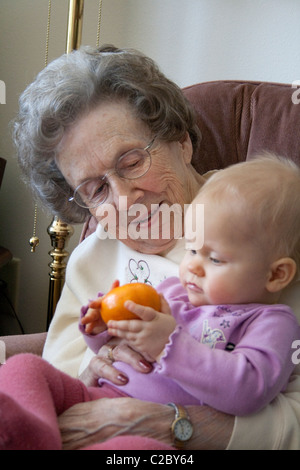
133,163
130,163
98,191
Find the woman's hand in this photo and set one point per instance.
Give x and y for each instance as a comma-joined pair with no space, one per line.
102,364
97,421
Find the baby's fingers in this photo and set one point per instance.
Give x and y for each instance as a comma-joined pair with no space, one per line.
92,315
96,303
144,313
115,284
122,328
90,327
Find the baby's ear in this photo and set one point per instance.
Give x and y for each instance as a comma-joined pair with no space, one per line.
282,272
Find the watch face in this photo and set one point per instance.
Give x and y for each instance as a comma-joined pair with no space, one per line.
183,429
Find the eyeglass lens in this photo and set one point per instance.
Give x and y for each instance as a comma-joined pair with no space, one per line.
132,165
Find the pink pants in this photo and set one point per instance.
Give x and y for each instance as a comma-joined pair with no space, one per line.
33,393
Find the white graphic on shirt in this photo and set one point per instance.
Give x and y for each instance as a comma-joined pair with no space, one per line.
139,270
212,337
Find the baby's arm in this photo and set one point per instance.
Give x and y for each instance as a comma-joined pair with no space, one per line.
150,334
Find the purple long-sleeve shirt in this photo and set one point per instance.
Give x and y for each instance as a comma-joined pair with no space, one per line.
234,358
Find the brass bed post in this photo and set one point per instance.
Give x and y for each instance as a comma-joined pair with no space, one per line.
59,231
75,18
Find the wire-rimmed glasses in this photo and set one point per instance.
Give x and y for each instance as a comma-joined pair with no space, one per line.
131,165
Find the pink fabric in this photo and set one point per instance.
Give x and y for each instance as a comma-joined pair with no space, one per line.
33,393
130,443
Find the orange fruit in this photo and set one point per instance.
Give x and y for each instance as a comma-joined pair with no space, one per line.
112,304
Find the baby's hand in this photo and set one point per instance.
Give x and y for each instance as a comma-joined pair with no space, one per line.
148,335
92,320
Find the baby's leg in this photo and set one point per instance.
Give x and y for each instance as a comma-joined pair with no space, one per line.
32,395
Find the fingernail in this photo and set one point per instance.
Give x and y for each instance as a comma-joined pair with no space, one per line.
145,365
122,379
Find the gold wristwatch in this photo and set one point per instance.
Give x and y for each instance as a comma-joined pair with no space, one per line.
182,428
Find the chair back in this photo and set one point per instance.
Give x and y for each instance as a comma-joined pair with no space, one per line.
239,119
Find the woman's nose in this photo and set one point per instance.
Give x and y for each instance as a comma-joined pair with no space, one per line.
124,193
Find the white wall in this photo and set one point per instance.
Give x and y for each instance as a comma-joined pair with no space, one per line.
192,41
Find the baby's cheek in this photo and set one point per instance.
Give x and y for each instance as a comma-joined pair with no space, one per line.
219,292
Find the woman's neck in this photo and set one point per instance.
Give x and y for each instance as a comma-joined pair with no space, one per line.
194,184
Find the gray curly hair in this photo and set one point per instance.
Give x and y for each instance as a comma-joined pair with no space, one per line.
73,85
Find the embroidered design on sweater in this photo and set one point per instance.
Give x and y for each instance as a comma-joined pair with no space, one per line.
211,337
139,270
222,310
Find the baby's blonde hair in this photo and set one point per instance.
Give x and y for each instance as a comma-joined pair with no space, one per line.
266,190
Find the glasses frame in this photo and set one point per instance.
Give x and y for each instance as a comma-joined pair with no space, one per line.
109,173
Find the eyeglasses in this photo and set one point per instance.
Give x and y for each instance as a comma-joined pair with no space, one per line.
130,166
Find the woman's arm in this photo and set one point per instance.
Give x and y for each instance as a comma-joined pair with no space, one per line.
18,344
106,418
212,430
216,430
276,427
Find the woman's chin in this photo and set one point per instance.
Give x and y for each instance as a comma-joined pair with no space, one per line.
151,247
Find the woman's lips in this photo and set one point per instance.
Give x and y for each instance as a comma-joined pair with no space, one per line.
147,220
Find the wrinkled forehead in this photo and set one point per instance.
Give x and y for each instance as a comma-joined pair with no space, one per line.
93,144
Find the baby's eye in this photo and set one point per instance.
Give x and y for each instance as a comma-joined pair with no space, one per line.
190,250
215,261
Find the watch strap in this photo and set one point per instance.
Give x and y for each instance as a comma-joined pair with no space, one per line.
179,411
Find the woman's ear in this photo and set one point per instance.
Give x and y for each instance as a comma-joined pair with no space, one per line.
187,147
282,272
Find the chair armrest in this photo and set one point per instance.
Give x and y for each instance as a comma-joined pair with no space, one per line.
18,344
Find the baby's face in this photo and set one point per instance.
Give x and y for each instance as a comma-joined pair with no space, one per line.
231,266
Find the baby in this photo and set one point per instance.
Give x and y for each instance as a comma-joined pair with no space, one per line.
221,338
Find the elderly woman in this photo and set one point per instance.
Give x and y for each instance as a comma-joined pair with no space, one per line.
100,130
